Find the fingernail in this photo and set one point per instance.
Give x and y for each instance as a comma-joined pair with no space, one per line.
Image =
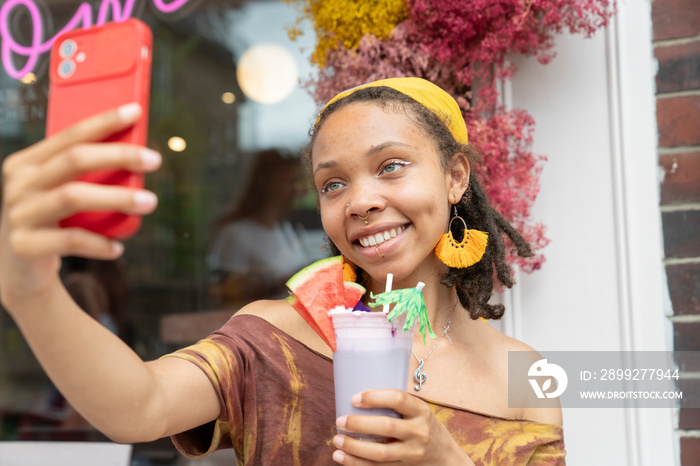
338,456
145,199
150,158
117,248
356,399
341,421
338,441
129,111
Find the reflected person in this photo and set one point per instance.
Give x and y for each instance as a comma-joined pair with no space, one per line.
255,248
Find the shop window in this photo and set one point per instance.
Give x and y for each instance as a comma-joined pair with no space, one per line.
231,181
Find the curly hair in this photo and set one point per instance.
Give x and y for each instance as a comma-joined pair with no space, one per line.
474,285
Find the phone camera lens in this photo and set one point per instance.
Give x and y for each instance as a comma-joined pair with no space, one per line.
66,68
68,48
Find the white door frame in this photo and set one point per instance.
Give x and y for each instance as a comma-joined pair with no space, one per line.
616,68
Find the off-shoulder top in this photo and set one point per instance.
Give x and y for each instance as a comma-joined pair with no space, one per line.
278,407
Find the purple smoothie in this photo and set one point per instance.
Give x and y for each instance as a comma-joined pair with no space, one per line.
357,371
371,354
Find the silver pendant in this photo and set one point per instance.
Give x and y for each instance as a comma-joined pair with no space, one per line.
419,376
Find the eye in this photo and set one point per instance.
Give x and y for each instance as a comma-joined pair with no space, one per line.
331,186
393,166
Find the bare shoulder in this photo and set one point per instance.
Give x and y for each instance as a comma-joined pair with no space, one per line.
269,310
282,315
499,346
498,343
277,312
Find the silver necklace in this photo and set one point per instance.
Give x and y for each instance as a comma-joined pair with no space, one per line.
419,376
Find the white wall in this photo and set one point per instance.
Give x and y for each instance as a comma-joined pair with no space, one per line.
602,287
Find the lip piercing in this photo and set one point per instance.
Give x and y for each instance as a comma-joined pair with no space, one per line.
376,248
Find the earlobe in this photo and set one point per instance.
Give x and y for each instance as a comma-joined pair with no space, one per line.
459,171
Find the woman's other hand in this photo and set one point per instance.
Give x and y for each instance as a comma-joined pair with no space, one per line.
39,189
420,438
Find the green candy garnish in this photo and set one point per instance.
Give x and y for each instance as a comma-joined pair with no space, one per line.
408,301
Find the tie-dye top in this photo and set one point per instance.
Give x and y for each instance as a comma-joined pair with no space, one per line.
277,406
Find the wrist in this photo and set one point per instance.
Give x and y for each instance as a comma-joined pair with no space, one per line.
22,302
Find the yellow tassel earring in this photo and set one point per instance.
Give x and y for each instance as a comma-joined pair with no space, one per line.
465,253
349,270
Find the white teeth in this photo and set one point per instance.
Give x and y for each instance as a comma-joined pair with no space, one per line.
379,238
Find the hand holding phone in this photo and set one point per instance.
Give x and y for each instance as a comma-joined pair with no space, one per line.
91,71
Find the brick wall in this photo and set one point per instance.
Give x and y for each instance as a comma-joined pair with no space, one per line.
677,49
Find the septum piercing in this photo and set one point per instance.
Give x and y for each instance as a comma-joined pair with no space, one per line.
364,218
359,216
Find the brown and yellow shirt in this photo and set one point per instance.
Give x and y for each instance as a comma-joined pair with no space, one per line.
277,406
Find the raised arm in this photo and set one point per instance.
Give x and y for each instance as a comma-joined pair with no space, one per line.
103,379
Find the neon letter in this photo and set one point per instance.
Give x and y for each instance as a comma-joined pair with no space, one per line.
82,15
169,8
118,14
33,52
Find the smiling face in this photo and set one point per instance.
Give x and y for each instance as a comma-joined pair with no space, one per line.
369,159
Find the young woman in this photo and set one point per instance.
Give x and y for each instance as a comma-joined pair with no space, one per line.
391,165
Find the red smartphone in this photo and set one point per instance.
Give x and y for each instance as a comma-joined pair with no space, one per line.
91,71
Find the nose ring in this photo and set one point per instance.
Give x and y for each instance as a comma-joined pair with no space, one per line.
364,218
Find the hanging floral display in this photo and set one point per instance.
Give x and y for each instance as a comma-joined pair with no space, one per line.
462,46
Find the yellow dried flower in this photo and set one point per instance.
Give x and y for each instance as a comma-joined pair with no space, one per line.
293,32
344,22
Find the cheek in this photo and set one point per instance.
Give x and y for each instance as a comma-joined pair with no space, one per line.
426,196
431,211
332,222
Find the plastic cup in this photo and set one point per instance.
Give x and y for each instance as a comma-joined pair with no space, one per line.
372,353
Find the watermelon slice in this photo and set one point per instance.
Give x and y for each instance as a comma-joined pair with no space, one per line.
353,293
303,312
319,288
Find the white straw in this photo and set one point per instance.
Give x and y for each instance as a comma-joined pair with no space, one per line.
389,283
420,286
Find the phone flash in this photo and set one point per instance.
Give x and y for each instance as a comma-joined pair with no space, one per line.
80,57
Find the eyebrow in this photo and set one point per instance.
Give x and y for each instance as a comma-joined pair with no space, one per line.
324,165
374,150
384,145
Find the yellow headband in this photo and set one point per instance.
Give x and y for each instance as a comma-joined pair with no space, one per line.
427,94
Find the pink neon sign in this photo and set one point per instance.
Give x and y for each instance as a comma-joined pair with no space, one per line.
82,16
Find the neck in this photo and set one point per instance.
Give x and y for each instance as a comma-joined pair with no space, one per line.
440,301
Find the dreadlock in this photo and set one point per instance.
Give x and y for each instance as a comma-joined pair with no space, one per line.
474,285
